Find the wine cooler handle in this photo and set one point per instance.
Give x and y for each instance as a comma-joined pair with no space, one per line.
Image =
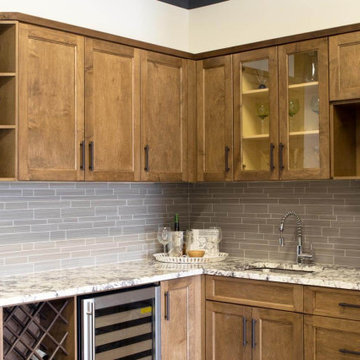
91,150
146,148
82,150
281,156
227,150
272,148
88,329
167,306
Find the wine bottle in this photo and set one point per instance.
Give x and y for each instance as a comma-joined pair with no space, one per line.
176,223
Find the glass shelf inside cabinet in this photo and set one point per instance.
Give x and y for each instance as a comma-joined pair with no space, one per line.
255,115
303,111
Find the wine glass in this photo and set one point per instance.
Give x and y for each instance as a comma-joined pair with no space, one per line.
164,236
315,104
262,111
293,107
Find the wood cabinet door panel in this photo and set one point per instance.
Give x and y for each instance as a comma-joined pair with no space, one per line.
112,108
332,302
329,338
278,335
254,147
164,107
344,57
215,119
181,319
51,113
256,293
227,331
304,132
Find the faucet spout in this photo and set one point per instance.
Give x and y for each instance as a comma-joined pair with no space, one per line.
300,255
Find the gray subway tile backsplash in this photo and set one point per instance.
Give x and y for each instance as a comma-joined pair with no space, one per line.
51,225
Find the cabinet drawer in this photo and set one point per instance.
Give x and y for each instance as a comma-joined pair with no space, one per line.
256,293
331,302
328,338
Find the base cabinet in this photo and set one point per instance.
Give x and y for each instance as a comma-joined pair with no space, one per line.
241,332
181,319
226,331
330,338
277,335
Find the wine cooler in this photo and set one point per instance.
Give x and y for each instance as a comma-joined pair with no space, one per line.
121,325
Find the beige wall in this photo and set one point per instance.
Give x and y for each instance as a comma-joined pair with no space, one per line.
244,21
146,20
233,22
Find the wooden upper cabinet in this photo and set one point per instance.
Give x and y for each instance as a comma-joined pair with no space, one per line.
304,110
215,119
344,57
256,115
164,107
112,112
277,335
182,319
51,105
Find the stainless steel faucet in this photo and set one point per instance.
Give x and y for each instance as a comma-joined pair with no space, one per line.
300,255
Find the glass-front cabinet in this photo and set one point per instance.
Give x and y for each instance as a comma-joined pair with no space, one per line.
303,110
255,114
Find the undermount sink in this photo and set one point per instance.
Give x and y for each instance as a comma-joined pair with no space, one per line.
293,269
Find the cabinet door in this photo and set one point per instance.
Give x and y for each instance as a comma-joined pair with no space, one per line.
344,57
215,119
227,331
255,115
330,338
112,108
51,105
181,320
164,107
276,335
304,110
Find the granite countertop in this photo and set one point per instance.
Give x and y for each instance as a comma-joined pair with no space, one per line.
50,285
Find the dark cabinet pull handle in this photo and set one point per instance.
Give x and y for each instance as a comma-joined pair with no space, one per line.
349,305
272,148
281,159
244,332
146,148
253,324
91,150
344,351
82,150
167,306
227,150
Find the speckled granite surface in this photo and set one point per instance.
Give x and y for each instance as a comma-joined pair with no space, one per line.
50,285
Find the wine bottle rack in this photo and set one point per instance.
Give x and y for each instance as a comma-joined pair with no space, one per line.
46,326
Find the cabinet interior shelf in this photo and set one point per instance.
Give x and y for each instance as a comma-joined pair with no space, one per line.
255,91
303,85
256,137
7,74
303,133
7,127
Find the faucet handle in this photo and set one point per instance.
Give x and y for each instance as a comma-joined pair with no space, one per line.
281,240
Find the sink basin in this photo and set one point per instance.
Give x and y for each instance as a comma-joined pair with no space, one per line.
289,269
279,270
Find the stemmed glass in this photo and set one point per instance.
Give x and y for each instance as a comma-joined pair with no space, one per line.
164,236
